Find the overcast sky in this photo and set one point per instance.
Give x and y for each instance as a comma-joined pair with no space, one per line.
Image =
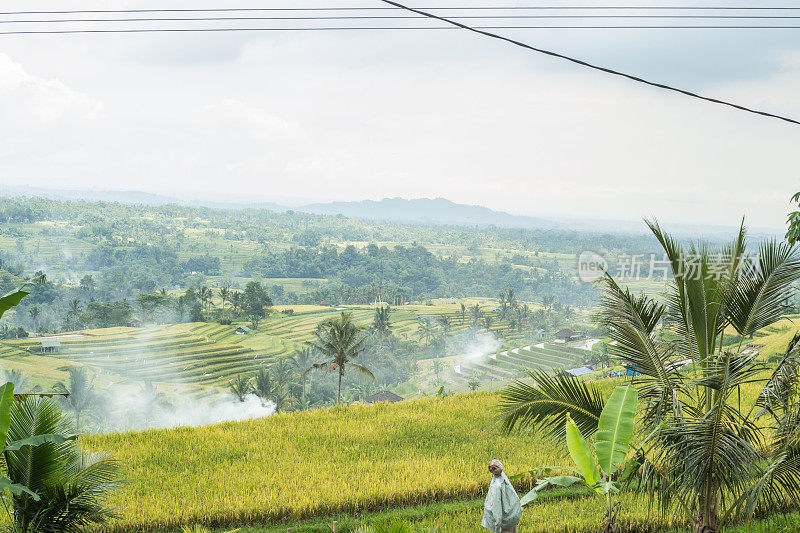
366,115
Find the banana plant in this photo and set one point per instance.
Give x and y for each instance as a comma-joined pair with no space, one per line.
597,463
6,402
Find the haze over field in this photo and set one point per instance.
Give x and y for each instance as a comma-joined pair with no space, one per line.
317,117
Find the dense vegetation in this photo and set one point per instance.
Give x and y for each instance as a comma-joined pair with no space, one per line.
102,257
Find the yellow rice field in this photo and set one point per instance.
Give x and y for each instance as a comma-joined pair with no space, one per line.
295,465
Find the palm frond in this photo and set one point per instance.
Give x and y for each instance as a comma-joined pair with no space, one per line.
544,404
764,287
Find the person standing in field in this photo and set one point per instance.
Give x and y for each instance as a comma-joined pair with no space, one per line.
502,508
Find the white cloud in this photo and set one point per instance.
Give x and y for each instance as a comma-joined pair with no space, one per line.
47,100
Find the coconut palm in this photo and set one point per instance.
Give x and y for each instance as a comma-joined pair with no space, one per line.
241,386
715,458
380,322
340,340
80,392
269,387
302,360
475,313
263,384
224,294
71,486
34,312
427,330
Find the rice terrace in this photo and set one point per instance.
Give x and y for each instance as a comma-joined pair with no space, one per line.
372,267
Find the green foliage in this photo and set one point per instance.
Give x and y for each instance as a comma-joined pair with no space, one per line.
615,429
545,403
339,341
597,464
70,487
706,452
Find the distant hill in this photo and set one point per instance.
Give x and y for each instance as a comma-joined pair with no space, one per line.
126,197
427,211
421,210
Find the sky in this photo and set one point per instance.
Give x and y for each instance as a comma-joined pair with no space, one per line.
320,116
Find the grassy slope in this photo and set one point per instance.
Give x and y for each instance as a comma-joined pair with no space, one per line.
297,465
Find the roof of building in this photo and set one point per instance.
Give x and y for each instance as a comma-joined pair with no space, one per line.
567,333
580,371
51,344
383,396
244,328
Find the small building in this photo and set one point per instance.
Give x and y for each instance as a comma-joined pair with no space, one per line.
580,371
568,335
324,303
51,346
243,330
383,397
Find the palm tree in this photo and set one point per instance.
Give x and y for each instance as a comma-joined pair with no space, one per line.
380,322
302,360
16,377
74,311
73,486
264,385
340,340
80,392
463,313
444,321
236,300
427,330
34,312
701,448
475,313
151,399
224,293
240,386
204,295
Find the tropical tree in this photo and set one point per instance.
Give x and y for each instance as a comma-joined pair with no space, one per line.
716,458
255,302
380,322
68,488
79,390
340,340
269,388
241,386
74,312
597,463
224,294
204,294
34,313
475,313
426,330
302,360
151,399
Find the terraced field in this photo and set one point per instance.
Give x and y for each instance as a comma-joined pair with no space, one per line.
181,353
509,364
208,354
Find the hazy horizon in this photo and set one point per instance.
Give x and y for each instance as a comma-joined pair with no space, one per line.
342,116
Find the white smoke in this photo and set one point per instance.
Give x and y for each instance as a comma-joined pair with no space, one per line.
477,347
125,412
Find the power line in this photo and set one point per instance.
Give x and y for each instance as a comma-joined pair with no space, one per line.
372,8
386,28
589,65
406,17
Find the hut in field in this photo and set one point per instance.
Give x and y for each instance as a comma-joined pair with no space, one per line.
383,397
51,346
243,330
580,371
568,335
